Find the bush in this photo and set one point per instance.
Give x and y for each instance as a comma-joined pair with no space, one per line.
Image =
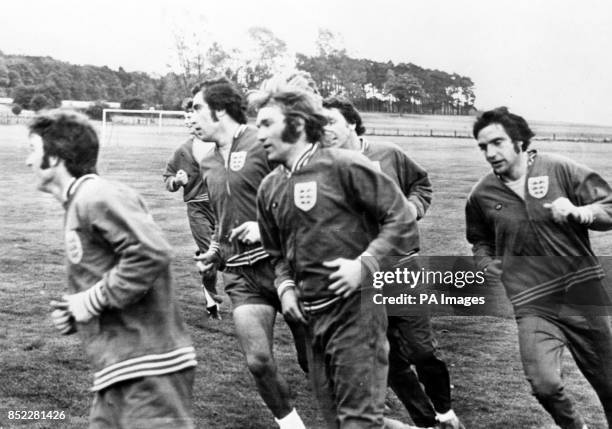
16,109
39,102
95,110
134,103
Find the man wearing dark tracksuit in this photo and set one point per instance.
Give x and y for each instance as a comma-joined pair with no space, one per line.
534,212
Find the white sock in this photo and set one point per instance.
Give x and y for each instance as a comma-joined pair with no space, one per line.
291,421
449,415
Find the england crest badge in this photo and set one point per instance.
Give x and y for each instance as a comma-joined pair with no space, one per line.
537,186
237,160
305,195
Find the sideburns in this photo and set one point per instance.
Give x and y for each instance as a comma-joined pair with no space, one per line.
290,133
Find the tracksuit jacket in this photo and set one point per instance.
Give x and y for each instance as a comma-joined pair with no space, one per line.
407,174
539,257
232,190
182,159
332,204
115,250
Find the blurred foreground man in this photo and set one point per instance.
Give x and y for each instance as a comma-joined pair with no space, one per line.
528,221
121,298
325,213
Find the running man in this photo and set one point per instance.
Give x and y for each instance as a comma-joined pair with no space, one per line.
528,221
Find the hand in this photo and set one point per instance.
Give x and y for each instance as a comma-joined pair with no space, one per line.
493,272
248,233
62,319
291,306
181,178
206,262
413,209
562,210
75,304
347,277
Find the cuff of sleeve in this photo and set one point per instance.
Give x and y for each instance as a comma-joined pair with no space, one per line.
369,262
284,286
95,299
214,247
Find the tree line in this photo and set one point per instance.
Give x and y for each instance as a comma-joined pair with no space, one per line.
39,82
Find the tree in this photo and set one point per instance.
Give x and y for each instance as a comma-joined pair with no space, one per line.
39,102
265,55
16,109
406,88
22,95
134,103
191,42
96,110
329,43
5,79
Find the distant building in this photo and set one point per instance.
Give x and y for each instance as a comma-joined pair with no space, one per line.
6,101
82,105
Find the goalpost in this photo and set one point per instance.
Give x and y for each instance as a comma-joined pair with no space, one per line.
150,117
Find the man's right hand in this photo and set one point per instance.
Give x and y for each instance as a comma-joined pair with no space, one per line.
181,178
62,318
291,306
207,262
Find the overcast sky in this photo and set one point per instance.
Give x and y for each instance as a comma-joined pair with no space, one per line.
545,59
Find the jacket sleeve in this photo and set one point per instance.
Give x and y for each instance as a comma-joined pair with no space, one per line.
121,220
414,182
479,235
590,189
271,242
382,201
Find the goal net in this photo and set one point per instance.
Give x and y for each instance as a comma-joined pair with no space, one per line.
124,126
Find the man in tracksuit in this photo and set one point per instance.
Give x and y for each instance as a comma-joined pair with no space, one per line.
322,213
183,171
411,337
232,173
534,212
121,300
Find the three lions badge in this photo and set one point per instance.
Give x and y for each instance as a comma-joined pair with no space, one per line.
537,186
237,159
305,195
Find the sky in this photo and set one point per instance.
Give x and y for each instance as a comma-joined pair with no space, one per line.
545,59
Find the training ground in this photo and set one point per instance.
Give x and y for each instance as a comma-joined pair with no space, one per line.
41,370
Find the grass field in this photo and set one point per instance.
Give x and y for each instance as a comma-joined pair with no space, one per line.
41,370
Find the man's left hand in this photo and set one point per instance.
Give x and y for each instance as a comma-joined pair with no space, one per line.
347,278
563,210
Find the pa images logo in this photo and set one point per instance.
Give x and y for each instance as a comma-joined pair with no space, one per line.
305,195
537,186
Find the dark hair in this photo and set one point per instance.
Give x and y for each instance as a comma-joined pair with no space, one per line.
299,104
69,136
222,94
187,104
515,126
348,110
